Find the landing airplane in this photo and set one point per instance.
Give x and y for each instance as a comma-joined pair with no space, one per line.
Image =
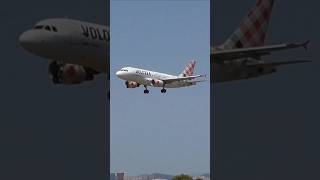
240,56
135,77
78,50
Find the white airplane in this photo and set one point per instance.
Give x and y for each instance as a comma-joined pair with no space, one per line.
240,56
135,77
78,50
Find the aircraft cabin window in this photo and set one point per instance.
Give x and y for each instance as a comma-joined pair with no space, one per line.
54,29
47,28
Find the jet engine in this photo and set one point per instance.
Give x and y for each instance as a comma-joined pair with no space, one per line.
63,73
157,83
154,82
132,84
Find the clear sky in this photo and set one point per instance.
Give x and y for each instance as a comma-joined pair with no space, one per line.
166,133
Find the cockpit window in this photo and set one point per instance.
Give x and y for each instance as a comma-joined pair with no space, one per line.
124,70
48,28
38,27
54,29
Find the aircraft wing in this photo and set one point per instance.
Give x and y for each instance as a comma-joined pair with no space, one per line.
198,81
167,81
280,63
253,52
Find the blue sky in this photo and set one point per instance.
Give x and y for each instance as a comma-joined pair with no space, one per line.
167,133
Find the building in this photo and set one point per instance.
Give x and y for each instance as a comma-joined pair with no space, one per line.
112,176
120,176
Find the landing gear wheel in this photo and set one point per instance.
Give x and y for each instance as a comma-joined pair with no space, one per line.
146,91
89,77
56,80
163,90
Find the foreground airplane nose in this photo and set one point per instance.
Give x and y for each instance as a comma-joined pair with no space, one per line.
120,74
26,40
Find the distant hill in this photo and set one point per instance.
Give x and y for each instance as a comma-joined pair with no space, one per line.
163,176
156,176
166,176
206,175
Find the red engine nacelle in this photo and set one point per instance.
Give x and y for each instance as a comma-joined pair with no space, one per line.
73,74
132,84
157,83
68,73
154,82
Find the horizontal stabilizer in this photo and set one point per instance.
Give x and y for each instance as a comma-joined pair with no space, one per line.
252,52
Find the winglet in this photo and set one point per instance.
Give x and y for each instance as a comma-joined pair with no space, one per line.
305,45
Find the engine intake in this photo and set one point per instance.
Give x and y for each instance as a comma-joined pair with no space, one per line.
131,84
63,73
157,83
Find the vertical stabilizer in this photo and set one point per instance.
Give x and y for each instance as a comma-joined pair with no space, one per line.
253,29
188,71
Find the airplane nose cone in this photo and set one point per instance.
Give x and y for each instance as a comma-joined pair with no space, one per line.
121,74
26,40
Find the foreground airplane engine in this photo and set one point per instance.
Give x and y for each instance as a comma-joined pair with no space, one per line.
131,84
69,73
154,82
157,83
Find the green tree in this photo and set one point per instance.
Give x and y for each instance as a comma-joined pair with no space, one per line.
182,177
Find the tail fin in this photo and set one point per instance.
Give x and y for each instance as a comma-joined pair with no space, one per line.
253,29
188,71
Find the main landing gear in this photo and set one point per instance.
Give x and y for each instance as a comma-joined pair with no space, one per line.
146,91
163,90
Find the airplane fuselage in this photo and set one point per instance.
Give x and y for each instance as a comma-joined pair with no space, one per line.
150,78
70,41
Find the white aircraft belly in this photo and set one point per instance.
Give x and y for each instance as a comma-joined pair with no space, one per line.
178,84
93,57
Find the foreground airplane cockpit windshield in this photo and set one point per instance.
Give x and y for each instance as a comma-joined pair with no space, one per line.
134,77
